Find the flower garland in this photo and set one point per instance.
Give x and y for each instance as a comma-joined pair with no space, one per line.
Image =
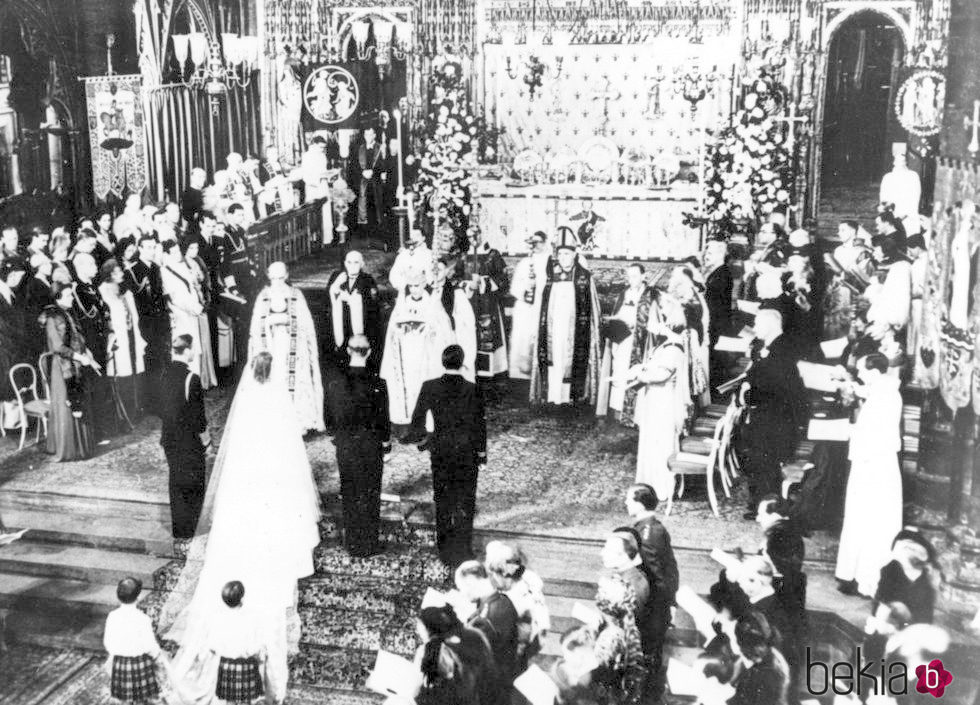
455,141
748,170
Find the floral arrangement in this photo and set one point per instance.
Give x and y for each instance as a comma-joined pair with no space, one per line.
748,170
455,142
533,77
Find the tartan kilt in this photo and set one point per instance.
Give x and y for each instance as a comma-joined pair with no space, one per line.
134,678
239,680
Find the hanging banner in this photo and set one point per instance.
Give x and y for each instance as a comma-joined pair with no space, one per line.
116,137
331,98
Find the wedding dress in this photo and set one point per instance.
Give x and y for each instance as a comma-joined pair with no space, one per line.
259,526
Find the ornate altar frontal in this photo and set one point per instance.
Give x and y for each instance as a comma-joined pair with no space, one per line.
603,110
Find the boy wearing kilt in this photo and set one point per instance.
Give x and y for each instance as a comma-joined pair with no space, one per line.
236,640
132,647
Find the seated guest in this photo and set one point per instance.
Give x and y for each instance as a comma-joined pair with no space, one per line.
764,676
103,230
495,617
907,592
70,435
37,293
888,225
873,505
508,573
621,674
455,662
38,244
572,672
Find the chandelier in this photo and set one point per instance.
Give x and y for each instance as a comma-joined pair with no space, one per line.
215,66
392,40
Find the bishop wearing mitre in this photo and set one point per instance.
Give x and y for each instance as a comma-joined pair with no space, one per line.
566,367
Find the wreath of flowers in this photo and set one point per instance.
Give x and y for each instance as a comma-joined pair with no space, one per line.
748,172
455,141
908,125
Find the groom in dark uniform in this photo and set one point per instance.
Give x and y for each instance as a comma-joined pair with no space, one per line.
358,403
184,437
458,447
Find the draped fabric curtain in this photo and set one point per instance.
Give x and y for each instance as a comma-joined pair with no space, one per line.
182,132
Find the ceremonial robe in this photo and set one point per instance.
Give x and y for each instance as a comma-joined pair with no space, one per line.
567,361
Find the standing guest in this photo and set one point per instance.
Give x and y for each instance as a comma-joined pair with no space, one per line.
718,285
70,425
11,258
92,315
239,276
684,285
37,294
764,678
132,647
154,318
621,559
359,407
316,181
784,548
130,220
413,260
17,344
890,297
126,347
873,505
185,305
458,447
618,347
201,284
38,244
490,283
103,230
282,326
184,437
664,399
661,568
192,200
777,407
59,248
495,617
622,673
455,662
527,287
238,644
354,307
418,331
891,227
919,273
566,367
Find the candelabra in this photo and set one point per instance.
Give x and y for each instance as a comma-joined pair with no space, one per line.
534,74
391,40
695,85
213,65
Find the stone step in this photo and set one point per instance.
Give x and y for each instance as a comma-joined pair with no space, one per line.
94,565
57,629
151,510
131,534
30,592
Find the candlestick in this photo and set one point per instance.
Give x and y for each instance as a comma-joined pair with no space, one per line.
404,199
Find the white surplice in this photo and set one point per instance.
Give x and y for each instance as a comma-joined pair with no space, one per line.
873,505
530,275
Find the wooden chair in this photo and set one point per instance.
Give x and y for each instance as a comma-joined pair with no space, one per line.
29,404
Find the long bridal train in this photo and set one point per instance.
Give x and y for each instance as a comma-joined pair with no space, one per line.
258,526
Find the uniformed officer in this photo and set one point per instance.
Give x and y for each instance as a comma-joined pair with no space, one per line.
358,401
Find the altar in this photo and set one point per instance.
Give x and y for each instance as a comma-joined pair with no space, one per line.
605,220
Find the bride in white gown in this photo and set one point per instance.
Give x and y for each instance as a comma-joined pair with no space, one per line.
258,526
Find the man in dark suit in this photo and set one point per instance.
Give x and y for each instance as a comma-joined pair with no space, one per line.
354,308
184,437
458,446
192,200
661,567
154,319
359,406
777,407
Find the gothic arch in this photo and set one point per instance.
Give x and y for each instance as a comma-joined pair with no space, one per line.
888,10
